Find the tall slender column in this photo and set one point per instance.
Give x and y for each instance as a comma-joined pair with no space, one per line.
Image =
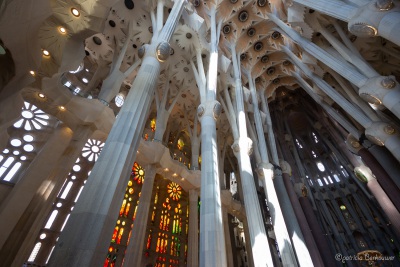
193,243
242,149
30,183
293,226
212,245
134,252
266,172
228,241
319,236
86,236
387,161
305,228
377,90
385,202
391,189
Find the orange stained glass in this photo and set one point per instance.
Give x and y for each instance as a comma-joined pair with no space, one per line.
134,214
138,173
121,211
121,232
128,206
114,234
174,191
148,242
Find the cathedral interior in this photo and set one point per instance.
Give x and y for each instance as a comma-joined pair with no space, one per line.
166,133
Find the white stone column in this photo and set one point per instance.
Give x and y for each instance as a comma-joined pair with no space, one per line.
193,242
212,245
385,202
296,235
31,181
372,19
212,241
86,236
266,174
376,90
242,148
381,133
134,251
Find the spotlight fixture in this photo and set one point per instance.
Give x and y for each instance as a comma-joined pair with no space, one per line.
62,30
46,53
75,12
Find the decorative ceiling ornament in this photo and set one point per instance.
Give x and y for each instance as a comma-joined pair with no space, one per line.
384,5
227,8
362,29
163,51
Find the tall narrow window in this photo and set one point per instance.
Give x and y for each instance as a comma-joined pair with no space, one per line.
51,219
34,252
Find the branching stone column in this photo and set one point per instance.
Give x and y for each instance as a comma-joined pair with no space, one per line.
193,243
134,252
266,172
212,241
381,133
375,18
242,148
376,90
382,176
86,236
384,201
305,228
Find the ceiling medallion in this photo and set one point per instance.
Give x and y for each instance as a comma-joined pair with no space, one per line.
226,29
243,56
261,3
362,30
275,35
258,46
276,81
243,16
389,129
388,83
251,32
264,59
384,5
196,3
271,70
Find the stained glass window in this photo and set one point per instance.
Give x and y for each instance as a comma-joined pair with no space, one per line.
138,173
174,190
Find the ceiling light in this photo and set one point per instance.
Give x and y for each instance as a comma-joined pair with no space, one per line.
75,12
32,73
62,30
62,108
84,80
46,53
41,95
